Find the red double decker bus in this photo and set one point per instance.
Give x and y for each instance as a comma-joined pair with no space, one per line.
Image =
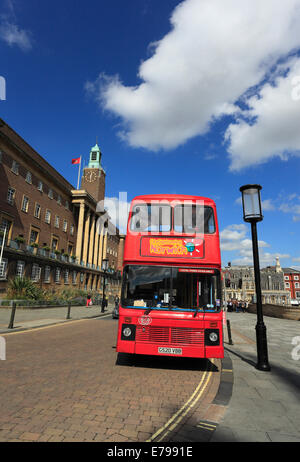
171,289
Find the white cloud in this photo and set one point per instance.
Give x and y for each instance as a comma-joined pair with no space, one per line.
234,238
267,204
214,52
291,205
265,259
275,132
13,35
10,32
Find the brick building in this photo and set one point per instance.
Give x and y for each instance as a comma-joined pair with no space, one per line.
292,282
53,233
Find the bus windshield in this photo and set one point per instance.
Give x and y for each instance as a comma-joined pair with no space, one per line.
163,287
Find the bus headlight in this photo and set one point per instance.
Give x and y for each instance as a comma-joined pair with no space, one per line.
212,337
128,332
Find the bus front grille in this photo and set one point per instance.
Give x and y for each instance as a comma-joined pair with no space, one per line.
154,334
187,336
170,335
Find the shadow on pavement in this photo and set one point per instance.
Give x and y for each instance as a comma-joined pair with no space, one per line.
290,378
165,362
246,360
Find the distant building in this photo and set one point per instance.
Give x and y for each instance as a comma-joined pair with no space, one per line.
239,284
292,282
52,232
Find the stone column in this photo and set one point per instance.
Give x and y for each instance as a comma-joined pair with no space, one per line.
86,237
99,259
80,232
96,246
92,235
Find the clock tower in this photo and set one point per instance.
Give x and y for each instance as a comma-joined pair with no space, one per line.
93,177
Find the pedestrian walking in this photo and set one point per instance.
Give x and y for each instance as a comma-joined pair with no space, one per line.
88,300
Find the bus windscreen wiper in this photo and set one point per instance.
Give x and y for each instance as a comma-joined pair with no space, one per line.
147,311
196,311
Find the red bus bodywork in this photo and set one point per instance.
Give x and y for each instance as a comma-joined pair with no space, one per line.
163,331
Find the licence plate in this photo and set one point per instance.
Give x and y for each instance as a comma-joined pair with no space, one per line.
170,351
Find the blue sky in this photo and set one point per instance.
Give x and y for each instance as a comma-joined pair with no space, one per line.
188,97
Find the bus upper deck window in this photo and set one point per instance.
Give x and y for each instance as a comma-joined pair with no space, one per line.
192,218
151,217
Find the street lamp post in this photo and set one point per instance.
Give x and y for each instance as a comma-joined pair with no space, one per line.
104,269
252,213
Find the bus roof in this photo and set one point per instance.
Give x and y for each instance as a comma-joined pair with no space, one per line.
173,197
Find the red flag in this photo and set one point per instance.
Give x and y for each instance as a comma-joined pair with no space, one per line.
76,161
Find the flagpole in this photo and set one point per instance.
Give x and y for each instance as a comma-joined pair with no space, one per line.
79,173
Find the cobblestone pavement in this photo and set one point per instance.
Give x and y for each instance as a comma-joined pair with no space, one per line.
64,383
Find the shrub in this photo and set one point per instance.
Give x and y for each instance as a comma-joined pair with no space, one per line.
23,288
19,239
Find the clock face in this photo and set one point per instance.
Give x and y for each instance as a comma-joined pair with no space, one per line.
91,176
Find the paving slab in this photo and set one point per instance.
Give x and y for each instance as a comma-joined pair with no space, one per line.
265,406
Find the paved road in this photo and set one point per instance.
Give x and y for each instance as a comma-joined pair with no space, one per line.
67,383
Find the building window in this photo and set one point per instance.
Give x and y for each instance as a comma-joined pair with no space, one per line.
66,276
297,285
72,230
54,244
15,167
67,205
5,225
65,226
11,196
74,277
35,273
37,210
20,268
28,177
286,278
56,224
40,186
81,277
3,268
34,236
296,278
47,274
48,216
59,200
57,275
297,294
287,285
25,204
50,194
